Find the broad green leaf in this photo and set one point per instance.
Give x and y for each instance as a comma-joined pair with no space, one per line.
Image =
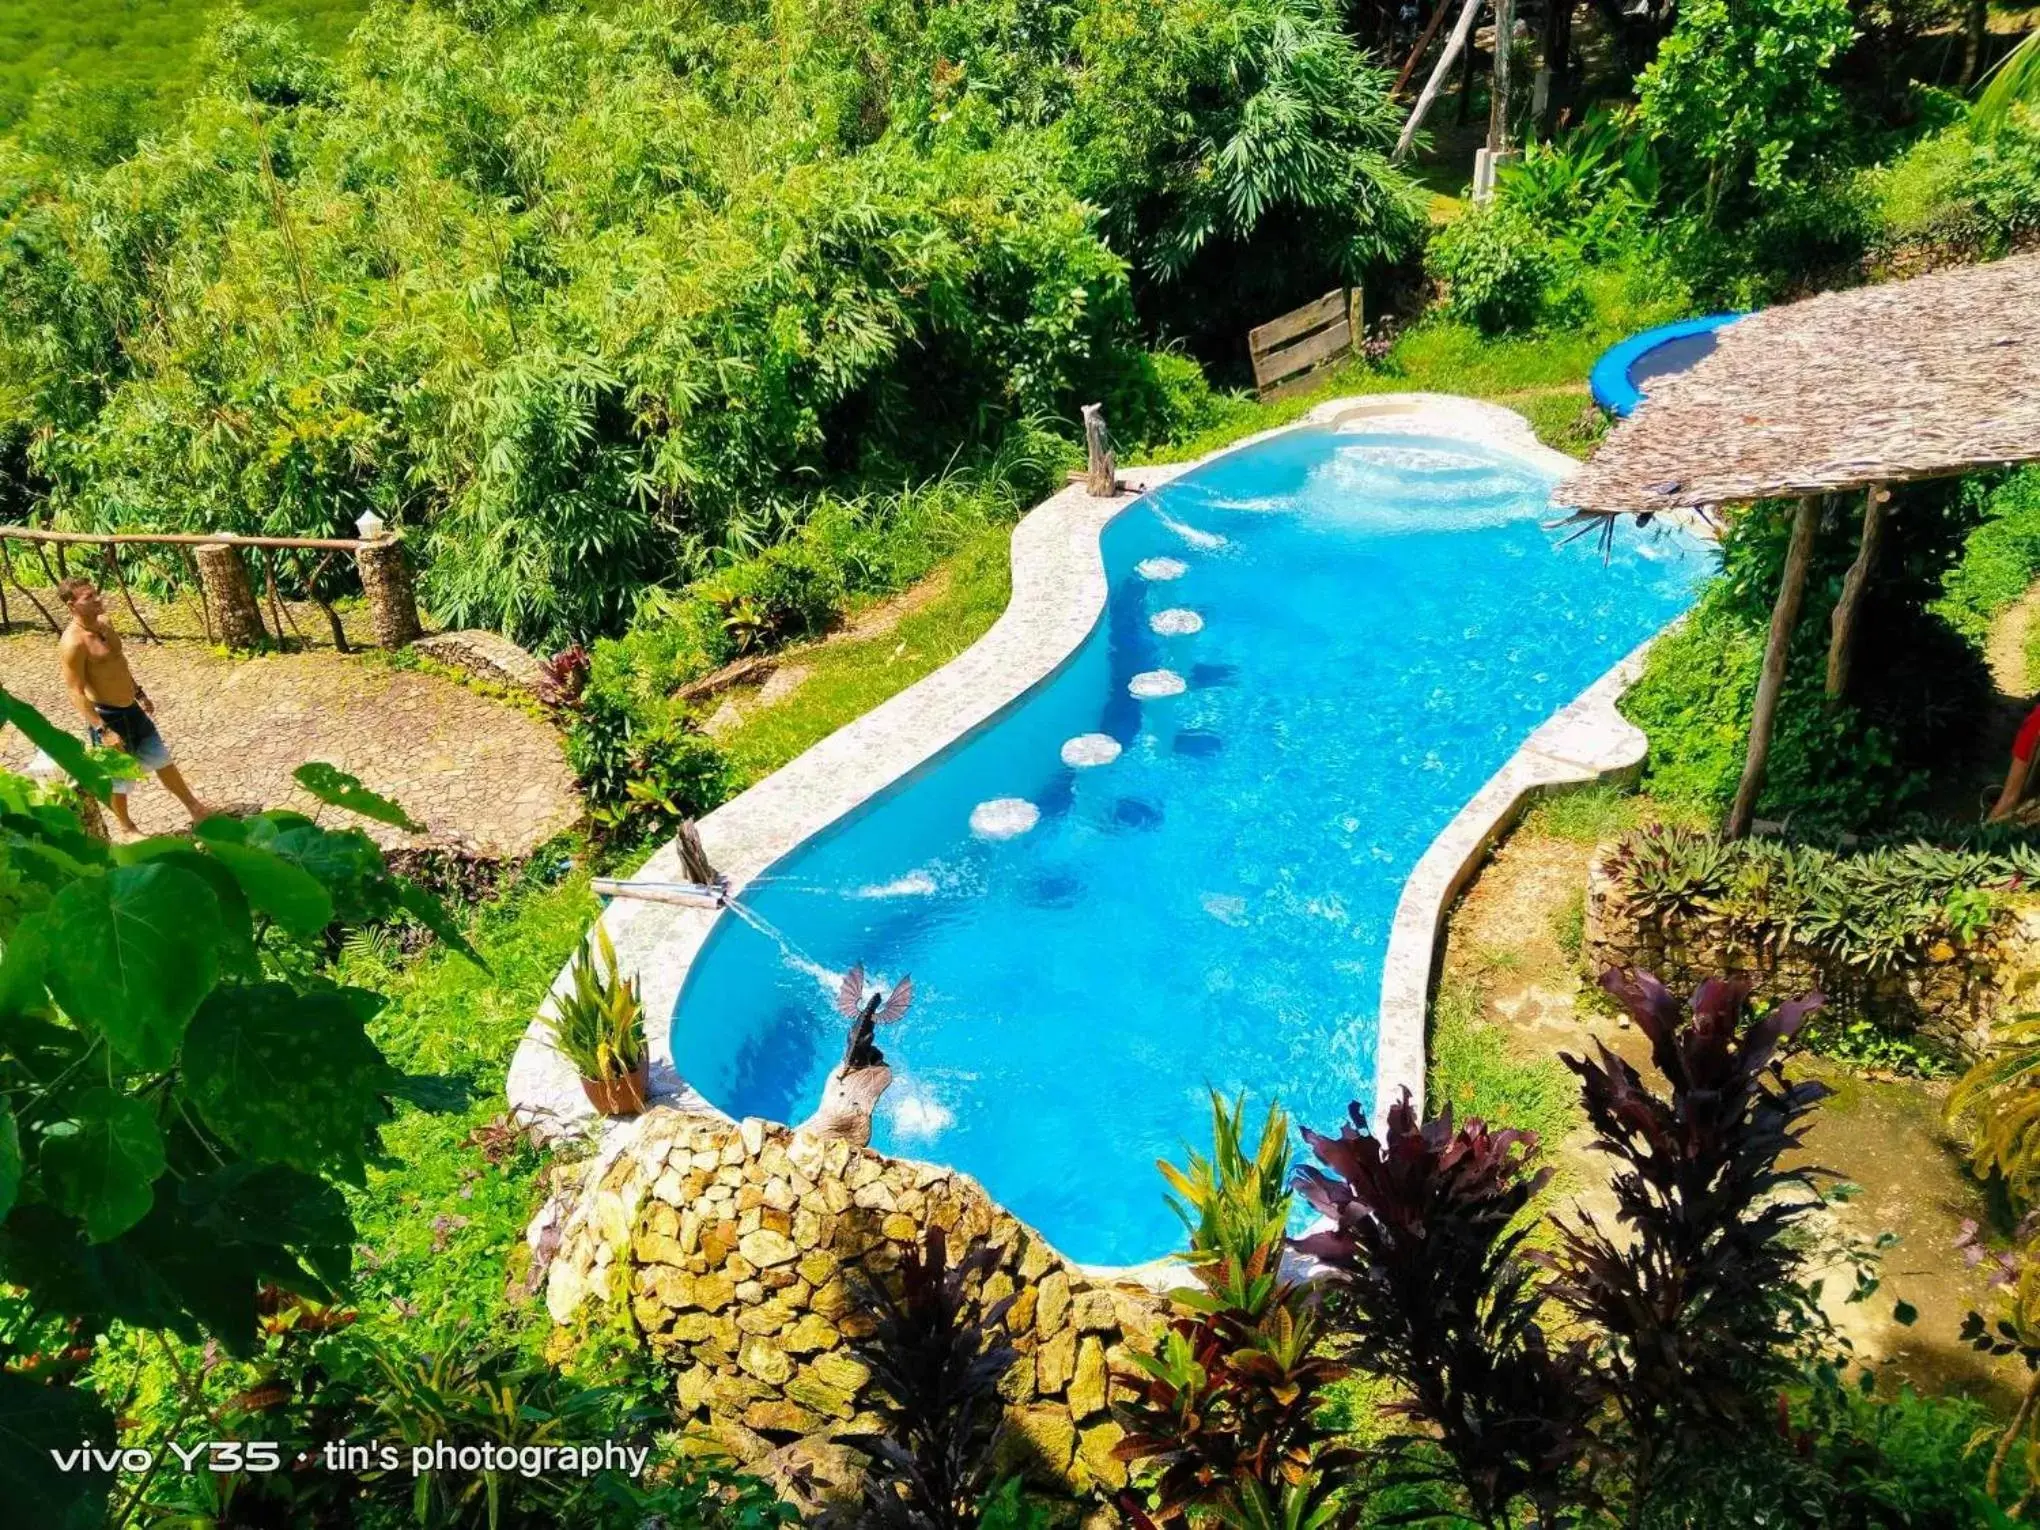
431,913
343,861
41,1423
290,1078
338,789
295,898
269,1206
101,1165
22,962
155,1275
237,922
132,955
66,749
59,826
10,1159
222,828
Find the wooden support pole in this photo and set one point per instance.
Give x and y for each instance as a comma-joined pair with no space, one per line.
204,605
1430,31
29,595
1771,680
119,578
1461,30
1842,624
332,616
1498,95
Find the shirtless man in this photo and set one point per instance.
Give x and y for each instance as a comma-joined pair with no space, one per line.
117,712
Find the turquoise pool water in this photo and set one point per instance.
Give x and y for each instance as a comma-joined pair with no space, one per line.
1314,651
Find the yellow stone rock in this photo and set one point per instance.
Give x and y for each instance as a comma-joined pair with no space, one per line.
1094,1448
766,1247
811,1332
782,1416
1052,1304
901,1228
844,1372
1093,1311
765,1360
1089,1382
813,1392
1055,1361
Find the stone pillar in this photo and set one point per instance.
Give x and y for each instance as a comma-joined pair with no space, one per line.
386,581
225,577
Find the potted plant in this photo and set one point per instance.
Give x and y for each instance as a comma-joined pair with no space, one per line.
598,1026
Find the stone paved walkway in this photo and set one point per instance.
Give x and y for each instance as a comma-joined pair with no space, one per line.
482,776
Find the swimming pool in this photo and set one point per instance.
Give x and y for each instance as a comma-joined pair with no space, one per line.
1173,863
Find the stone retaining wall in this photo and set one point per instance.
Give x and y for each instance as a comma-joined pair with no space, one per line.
1950,1000
738,1249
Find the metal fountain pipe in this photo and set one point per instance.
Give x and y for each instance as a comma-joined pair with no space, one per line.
714,894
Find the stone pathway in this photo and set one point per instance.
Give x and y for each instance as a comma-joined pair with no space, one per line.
482,776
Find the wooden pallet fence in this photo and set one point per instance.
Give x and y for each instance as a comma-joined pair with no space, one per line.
1288,349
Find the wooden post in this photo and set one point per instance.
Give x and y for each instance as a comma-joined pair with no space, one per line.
113,562
1842,624
7,554
1771,680
224,578
1101,477
1423,41
1460,31
1498,96
392,602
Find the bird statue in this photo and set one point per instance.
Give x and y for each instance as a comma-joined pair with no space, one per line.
867,1014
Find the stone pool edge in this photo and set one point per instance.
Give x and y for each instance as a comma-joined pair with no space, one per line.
1059,590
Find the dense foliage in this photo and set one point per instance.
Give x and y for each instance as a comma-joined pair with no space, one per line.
590,298
181,1091
1999,558
1916,694
1499,270
1864,910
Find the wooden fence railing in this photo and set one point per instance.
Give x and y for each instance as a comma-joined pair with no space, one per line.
1286,350
227,602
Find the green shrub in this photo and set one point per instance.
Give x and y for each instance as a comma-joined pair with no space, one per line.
1499,269
1592,187
1972,190
2000,559
1864,910
1916,693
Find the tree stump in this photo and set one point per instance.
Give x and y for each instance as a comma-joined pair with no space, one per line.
392,602
231,596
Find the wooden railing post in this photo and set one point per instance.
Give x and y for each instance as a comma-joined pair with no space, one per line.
224,578
392,601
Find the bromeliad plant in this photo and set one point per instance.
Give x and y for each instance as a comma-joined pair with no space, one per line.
1234,1202
1695,1300
598,1025
1873,910
1435,1296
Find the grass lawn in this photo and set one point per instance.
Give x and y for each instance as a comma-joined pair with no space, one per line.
148,46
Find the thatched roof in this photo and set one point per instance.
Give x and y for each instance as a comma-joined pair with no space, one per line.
1915,379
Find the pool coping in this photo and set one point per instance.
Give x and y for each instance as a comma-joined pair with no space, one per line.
1059,590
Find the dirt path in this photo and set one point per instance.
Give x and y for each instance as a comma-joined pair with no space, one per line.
1507,940
2005,650
482,776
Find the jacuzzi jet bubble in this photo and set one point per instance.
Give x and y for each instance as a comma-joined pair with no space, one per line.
1175,623
1151,683
1158,569
1088,749
1003,818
